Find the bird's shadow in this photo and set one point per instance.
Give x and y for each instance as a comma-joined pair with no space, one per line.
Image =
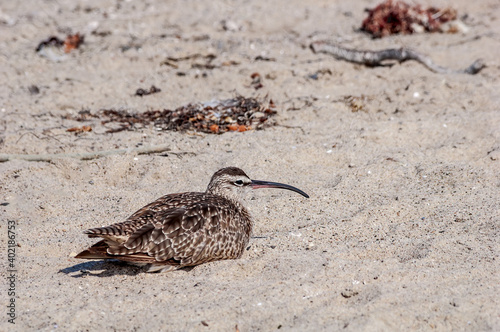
102,268
106,268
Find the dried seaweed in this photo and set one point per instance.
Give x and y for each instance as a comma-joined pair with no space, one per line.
70,43
79,130
73,42
51,41
205,64
215,117
145,92
256,81
394,17
356,103
196,61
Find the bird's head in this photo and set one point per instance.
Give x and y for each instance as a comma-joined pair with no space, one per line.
234,184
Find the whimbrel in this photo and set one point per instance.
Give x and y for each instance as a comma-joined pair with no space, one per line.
186,229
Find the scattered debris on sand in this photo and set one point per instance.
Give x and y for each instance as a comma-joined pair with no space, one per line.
55,49
356,103
78,130
214,117
73,42
256,81
145,92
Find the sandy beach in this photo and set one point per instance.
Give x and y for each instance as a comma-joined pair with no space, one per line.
402,165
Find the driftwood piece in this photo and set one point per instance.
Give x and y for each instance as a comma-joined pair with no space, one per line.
83,156
375,58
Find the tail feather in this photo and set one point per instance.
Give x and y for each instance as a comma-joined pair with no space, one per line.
161,268
100,251
97,251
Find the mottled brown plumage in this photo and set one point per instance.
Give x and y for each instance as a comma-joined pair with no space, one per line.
186,229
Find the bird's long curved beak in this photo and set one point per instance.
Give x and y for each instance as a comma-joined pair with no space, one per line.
256,184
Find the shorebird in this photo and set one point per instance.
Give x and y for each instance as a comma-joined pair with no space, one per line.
186,229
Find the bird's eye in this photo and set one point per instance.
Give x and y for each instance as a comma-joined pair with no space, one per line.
238,183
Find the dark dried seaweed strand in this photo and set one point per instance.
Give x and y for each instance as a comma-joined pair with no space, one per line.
144,92
53,40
